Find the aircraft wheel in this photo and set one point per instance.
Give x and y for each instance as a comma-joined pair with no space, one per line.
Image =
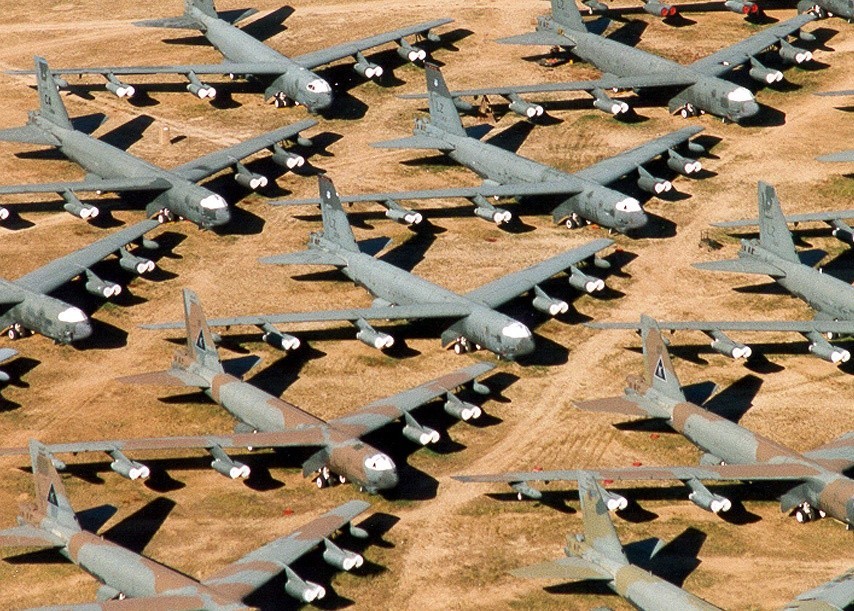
14,332
684,113
458,348
320,481
342,479
519,496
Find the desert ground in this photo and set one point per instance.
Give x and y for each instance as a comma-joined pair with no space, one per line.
439,543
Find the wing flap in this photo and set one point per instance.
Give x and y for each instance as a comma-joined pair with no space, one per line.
564,568
837,455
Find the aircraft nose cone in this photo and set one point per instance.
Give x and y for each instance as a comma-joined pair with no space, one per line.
81,330
524,346
749,109
382,480
636,220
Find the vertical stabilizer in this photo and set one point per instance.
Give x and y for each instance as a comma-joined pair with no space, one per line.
599,530
205,6
51,106
336,227
51,498
658,369
566,13
774,234
199,339
443,113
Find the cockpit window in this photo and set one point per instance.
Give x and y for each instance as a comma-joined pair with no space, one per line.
740,94
213,202
516,330
629,204
318,85
379,462
71,315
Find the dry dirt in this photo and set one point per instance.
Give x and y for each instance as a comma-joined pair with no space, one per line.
453,543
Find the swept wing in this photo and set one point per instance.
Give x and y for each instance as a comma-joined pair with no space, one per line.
844,327
92,183
830,215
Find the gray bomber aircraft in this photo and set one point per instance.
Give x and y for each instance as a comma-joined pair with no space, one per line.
265,421
401,295
132,581
26,304
834,595
774,255
173,193
840,230
597,555
507,174
731,452
285,79
700,84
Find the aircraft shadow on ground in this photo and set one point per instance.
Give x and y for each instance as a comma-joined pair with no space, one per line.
137,530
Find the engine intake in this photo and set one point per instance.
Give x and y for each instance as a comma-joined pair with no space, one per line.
200,89
225,465
652,184
116,87
704,498
126,467
483,209
277,339
101,288
286,159
523,108
792,54
134,264
371,337
367,69
547,304
248,179
341,559
743,8
602,101
583,282
613,501
417,433
823,349
305,591
681,164
722,344
841,231
660,10
399,214
409,52
760,73
462,410
77,208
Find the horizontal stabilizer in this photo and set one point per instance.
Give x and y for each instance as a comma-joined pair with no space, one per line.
306,257
614,405
29,134
29,536
837,455
169,377
742,266
415,142
565,568
538,38
178,23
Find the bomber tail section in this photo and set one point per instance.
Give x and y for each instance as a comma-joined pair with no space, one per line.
443,112
200,342
187,21
51,498
51,106
599,530
566,13
659,373
774,234
336,226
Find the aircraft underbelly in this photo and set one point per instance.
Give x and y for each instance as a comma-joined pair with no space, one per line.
101,159
499,165
238,46
646,591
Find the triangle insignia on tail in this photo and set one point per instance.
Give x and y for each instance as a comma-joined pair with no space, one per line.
660,372
200,341
51,496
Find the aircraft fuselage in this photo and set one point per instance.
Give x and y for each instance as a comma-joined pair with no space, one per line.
44,314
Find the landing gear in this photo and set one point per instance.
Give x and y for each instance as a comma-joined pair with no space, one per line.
280,100
574,221
165,215
16,331
807,513
326,478
688,111
464,345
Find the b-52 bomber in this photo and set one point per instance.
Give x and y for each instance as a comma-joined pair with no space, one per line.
597,555
172,193
132,581
774,255
285,79
400,295
507,174
26,304
732,453
701,86
265,421
840,230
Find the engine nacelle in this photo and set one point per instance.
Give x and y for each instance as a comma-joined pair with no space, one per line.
79,209
463,106
200,89
729,347
371,337
823,349
602,101
368,69
101,288
596,6
705,499
417,433
682,165
613,501
225,465
60,82
583,282
652,184
743,8
248,179
128,468
286,159
4,213
792,54
524,489
547,304
461,410
305,591
399,214
659,10
118,88
341,559
277,339
134,264
411,53
483,209
523,108
841,231
760,73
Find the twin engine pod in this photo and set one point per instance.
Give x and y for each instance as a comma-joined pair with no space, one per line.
602,101
133,263
101,288
341,559
792,54
305,591
486,211
200,89
547,304
742,7
704,498
410,53
368,69
286,159
126,467
583,282
722,344
681,164
250,180
461,410
652,184
659,10
77,208
371,337
823,349
277,339
399,214
760,73
613,501
417,433
523,108
225,465
117,88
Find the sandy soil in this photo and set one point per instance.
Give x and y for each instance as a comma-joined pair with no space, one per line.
452,543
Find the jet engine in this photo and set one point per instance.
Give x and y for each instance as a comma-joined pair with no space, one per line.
523,489
409,52
461,410
704,498
583,282
682,165
200,89
286,159
225,465
128,468
660,10
248,179
652,184
760,73
101,288
277,339
523,108
134,264
483,209
341,559
79,209
371,337
117,88
841,231
547,304
399,214
728,347
823,349
793,54
367,69
417,433
613,501
306,591
602,101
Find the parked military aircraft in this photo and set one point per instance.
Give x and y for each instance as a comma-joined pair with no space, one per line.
285,79
174,193
597,555
50,523
841,230
774,254
26,304
266,421
509,175
401,295
731,451
834,595
625,67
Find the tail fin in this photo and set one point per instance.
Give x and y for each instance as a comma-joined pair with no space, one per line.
774,234
599,530
443,113
336,227
566,13
187,21
199,339
51,106
205,6
658,372
51,498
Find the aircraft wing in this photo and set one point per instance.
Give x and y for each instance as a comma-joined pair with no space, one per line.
331,54
570,186
840,156
537,38
504,289
609,170
29,536
842,327
7,353
173,602
56,273
212,163
757,471
565,569
226,67
834,595
241,578
379,413
735,55
837,455
397,312
91,183
741,266
830,215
